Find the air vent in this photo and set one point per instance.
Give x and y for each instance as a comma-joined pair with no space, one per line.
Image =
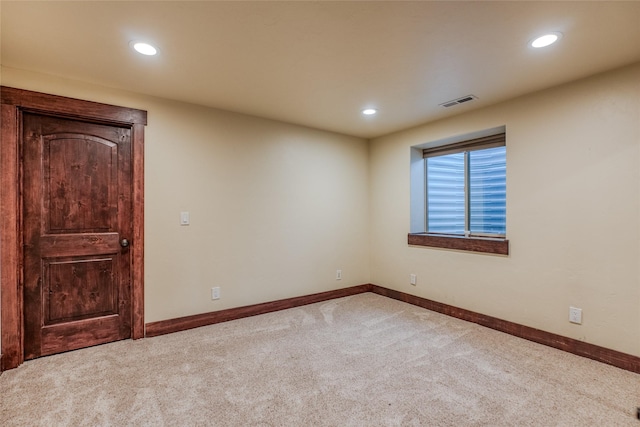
459,101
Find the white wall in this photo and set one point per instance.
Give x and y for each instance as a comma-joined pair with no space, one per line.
275,208
573,214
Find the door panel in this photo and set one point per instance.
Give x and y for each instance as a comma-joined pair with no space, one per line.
79,289
80,183
77,186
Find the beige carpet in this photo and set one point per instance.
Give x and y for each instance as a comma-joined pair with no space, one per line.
364,360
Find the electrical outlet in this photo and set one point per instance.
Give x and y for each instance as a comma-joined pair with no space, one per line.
215,293
575,315
338,274
413,279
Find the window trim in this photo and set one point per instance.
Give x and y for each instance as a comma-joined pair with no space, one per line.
418,235
491,141
498,246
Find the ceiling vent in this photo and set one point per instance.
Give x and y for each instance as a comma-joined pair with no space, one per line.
459,101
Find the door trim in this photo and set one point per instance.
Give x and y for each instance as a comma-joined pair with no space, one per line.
13,103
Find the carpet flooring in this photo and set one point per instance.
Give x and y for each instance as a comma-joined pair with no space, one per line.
363,360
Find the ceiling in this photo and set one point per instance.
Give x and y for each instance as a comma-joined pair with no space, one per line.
320,63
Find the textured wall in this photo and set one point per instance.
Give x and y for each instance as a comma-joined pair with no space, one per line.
275,208
573,198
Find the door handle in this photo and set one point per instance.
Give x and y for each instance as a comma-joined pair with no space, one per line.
124,243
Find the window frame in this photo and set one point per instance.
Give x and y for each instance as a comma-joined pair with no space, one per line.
477,242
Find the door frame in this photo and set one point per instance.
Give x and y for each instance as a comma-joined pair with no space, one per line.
13,103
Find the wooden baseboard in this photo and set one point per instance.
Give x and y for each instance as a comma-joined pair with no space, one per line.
580,348
570,345
189,322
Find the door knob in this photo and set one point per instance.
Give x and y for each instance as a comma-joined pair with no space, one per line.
124,243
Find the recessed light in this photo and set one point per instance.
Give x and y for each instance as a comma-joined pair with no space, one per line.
545,40
144,48
369,111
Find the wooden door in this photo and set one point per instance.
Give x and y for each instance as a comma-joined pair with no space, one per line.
77,220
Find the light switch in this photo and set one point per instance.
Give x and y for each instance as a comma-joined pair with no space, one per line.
184,218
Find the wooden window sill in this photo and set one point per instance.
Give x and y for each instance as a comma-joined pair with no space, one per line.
461,243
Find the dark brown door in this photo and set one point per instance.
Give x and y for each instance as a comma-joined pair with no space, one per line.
77,195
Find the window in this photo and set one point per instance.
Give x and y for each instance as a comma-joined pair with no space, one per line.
465,196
